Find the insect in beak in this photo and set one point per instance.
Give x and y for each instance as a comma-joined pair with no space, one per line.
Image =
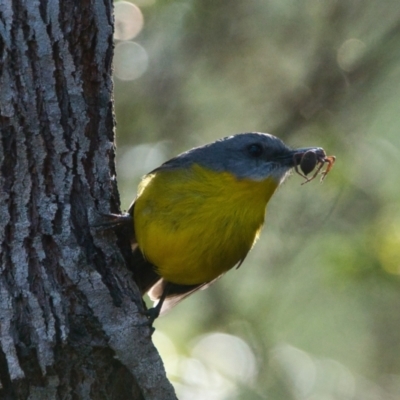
312,158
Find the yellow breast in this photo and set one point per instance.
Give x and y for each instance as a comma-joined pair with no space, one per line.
194,224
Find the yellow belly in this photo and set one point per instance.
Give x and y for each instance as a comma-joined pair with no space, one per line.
196,224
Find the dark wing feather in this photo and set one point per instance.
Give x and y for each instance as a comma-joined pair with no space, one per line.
176,293
144,272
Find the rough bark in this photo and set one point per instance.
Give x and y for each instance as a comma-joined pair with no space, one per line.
71,325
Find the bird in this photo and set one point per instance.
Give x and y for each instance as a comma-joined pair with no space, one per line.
199,214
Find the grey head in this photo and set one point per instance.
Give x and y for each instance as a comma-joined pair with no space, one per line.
246,155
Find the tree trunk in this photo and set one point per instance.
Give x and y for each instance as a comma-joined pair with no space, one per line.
71,322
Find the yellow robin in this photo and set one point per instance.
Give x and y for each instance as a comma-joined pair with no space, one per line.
198,215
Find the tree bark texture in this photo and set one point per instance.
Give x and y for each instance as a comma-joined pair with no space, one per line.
71,325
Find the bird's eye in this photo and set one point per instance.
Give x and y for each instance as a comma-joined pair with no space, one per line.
255,150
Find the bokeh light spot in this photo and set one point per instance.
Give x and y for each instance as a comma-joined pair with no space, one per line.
141,159
389,249
130,61
228,354
199,382
349,54
297,366
128,20
169,352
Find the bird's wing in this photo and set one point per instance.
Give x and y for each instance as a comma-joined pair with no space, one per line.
176,293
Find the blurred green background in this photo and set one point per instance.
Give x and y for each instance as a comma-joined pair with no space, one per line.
314,311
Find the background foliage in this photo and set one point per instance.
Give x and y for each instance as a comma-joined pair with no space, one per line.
314,311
